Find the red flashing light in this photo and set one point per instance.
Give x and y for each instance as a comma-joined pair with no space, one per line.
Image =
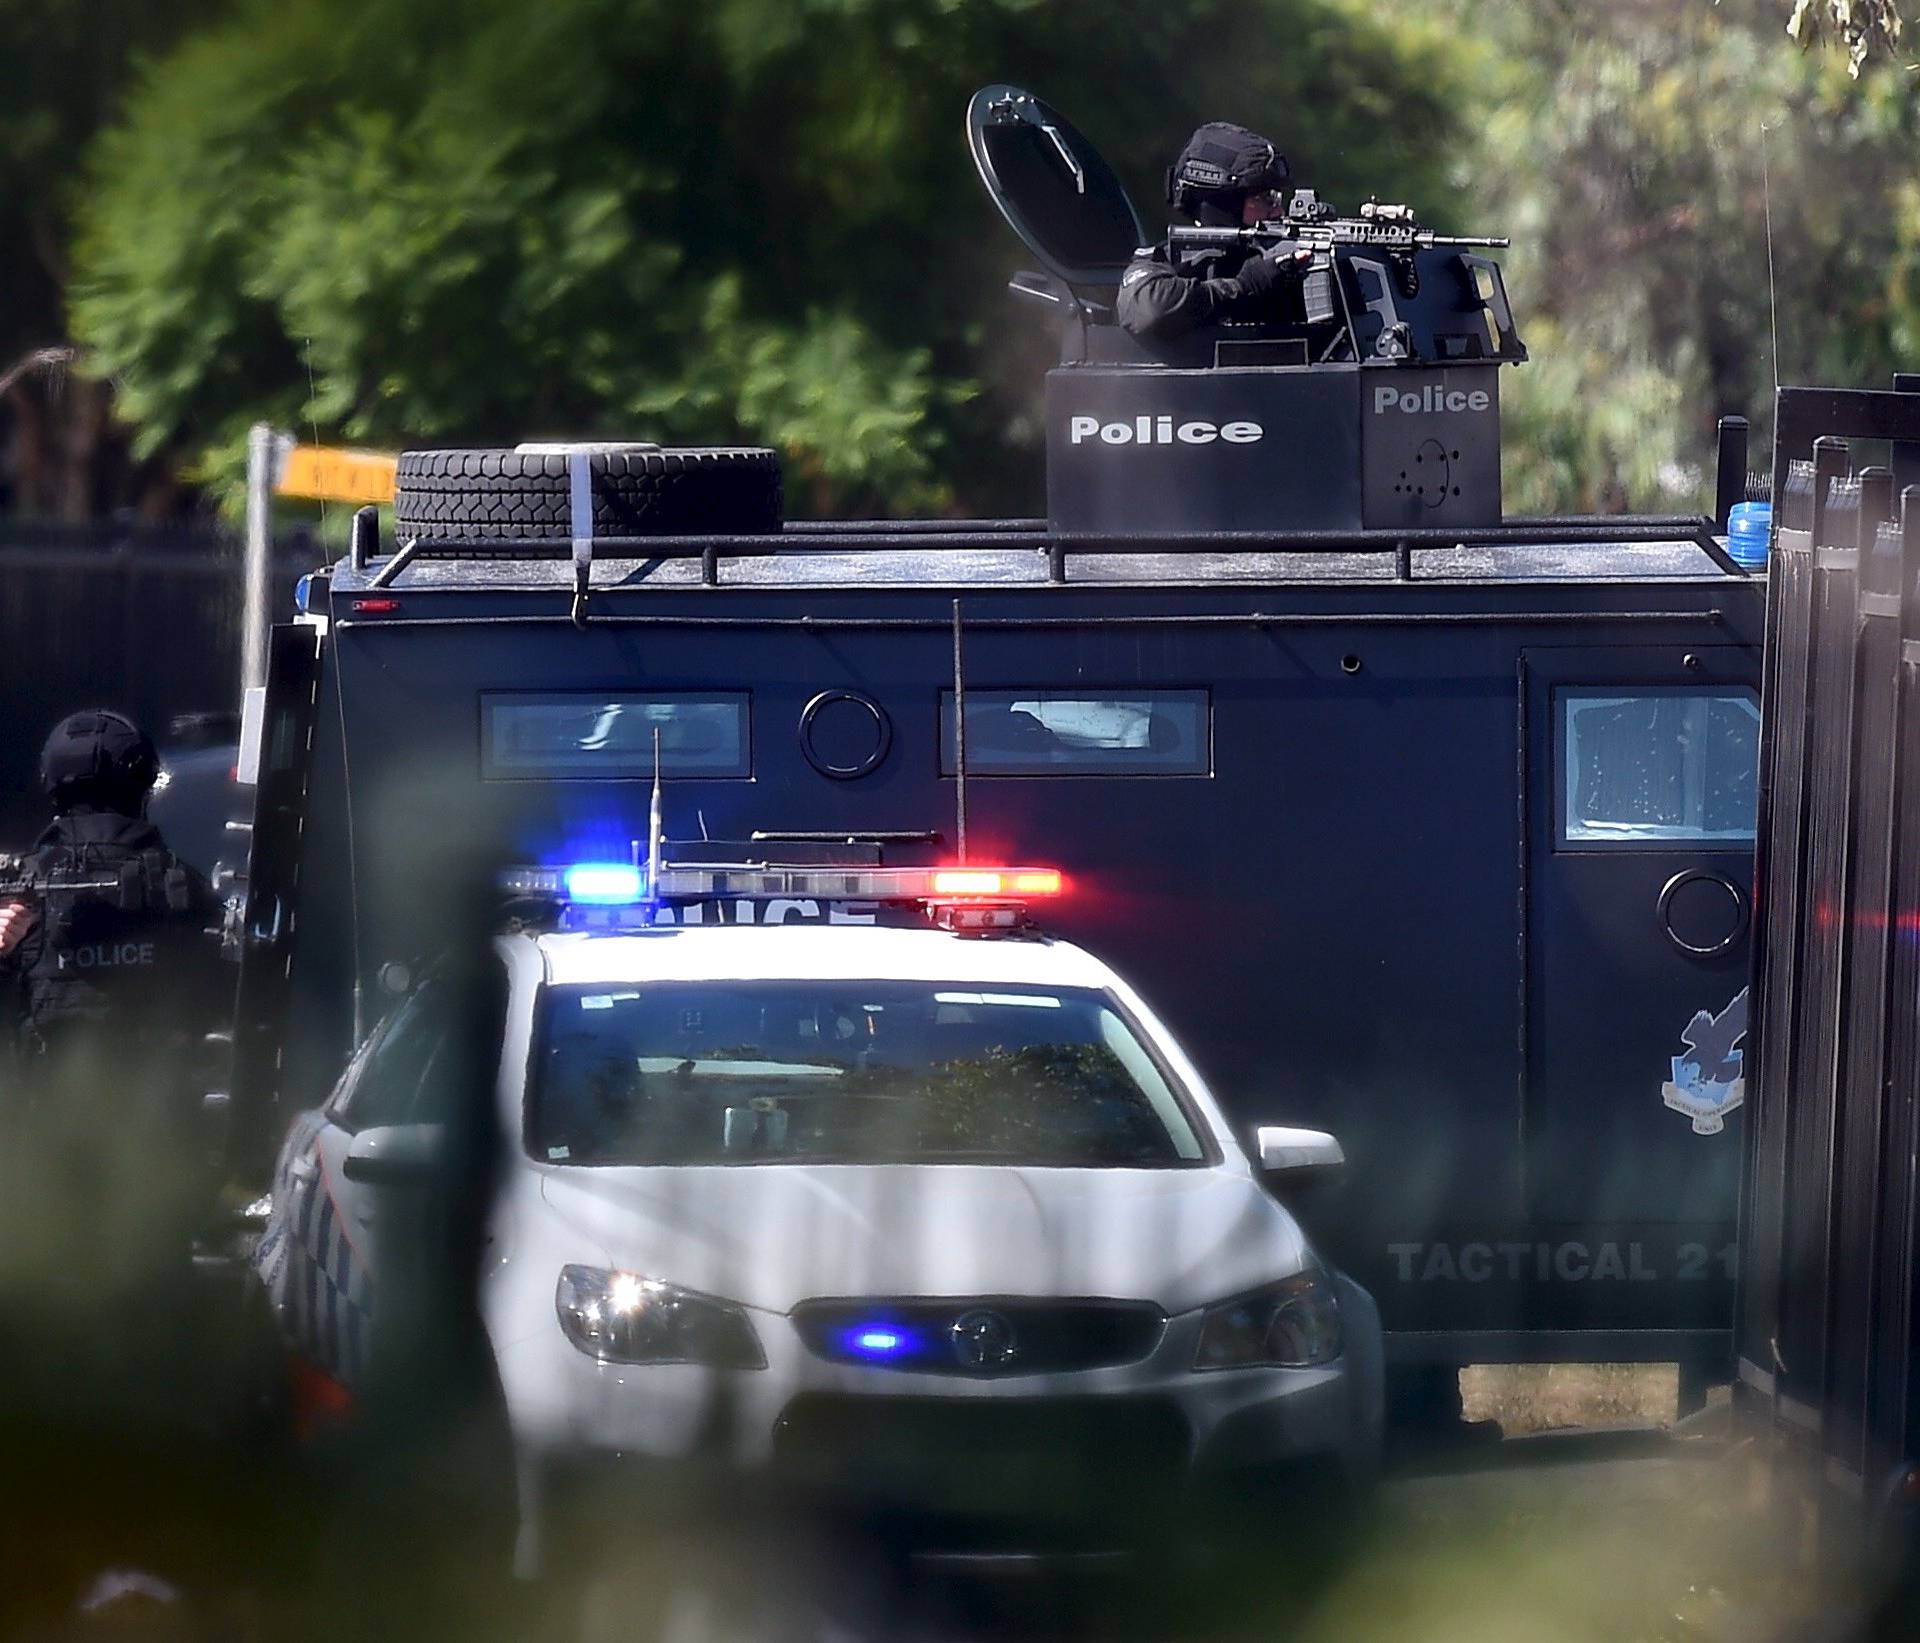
1038,881
375,607
995,882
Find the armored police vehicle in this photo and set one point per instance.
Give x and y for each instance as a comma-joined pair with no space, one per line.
1427,827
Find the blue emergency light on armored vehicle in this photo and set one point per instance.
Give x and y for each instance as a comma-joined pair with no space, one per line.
1379,407
1425,825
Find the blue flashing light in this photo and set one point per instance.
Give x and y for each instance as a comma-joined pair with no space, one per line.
605,883
875,1341
303,593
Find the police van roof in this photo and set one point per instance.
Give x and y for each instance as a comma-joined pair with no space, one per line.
816,558
813,951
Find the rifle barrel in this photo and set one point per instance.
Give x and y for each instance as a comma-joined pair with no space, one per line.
1420,238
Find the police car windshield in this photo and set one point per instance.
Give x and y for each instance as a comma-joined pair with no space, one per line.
849,1072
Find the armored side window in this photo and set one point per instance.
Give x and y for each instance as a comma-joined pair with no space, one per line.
609,735
1076,733
1657,766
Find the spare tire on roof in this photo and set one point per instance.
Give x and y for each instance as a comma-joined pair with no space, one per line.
638,490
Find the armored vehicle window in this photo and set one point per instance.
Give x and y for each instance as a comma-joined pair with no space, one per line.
1061,733
1655,766
608,736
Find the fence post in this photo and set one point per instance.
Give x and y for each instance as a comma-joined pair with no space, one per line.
1876,505
1729,468
1831,461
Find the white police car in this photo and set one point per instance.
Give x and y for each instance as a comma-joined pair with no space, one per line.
899,1216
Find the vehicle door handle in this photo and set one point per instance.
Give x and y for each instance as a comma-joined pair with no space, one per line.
304,1169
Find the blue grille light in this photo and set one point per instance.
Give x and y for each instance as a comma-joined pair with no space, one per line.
605,884
877,1343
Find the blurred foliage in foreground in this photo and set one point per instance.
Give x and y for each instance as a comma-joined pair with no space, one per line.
405,221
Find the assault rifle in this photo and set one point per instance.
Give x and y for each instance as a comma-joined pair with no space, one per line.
145,883
132,886
1311,224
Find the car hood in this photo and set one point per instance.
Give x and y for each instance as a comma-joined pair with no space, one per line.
771,1236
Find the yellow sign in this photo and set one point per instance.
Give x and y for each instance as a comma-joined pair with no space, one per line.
331,474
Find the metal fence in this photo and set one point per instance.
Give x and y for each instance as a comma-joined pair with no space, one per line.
140,619
1826,1317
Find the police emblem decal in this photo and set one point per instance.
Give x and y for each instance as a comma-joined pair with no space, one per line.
1709,1081
983,1340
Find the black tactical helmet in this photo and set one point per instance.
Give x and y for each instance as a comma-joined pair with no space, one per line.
98,757
1220,166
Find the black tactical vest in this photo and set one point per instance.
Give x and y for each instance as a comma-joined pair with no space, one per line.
119,941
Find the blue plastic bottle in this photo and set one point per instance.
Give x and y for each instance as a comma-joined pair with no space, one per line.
1749,533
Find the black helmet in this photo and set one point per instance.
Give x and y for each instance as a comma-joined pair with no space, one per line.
98,757
1220,166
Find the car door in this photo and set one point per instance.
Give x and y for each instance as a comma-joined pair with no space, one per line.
321,1255
1642,782
284,1259
357,1231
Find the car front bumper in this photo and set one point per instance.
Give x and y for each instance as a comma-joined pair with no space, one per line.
1041,1458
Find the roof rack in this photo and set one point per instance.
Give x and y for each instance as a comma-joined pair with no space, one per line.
922,535
843,536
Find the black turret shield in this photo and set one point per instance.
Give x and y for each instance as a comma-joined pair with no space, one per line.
1052,187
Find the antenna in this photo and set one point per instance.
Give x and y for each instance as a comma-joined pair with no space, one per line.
959,737
653,819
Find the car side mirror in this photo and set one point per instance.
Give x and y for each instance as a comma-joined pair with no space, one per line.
1280,1147
391,1154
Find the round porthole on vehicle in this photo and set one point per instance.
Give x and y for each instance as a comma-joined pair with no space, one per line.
845,734
1702,913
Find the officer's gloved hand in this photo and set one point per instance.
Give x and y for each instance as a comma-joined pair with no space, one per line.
1261,274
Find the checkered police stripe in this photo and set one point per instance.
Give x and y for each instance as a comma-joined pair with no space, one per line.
318,1282
331,1292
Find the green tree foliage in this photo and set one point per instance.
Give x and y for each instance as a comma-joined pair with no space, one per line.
1638,153
414,220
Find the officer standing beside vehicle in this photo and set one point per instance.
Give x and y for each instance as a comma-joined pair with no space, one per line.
1226,177
109,973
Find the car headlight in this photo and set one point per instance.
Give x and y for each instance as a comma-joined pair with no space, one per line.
1294,1324
621,1317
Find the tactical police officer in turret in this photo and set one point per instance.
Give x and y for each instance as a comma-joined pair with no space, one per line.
105,959
1226,177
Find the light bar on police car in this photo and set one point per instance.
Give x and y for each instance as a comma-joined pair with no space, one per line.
934,884
609,884
605,884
